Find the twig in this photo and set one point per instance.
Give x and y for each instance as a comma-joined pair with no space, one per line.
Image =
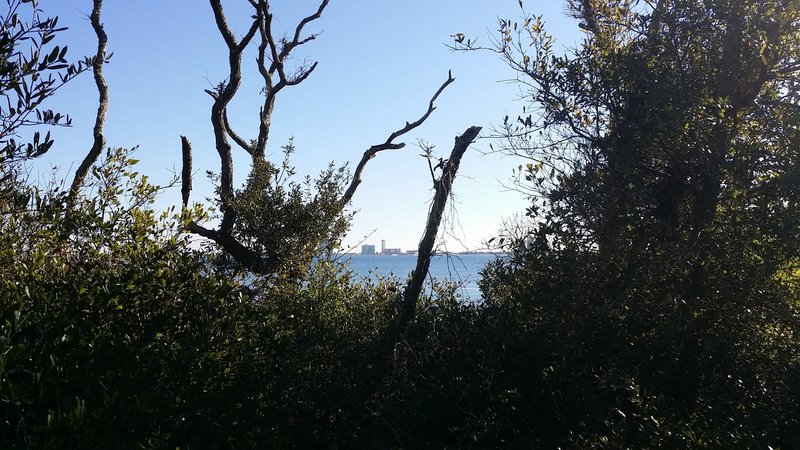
389,145
277,56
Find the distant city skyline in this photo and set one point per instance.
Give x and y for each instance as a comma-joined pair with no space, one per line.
369,249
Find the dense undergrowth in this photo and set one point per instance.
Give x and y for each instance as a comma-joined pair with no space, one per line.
652,304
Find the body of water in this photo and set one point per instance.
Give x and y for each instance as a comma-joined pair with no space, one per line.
463,269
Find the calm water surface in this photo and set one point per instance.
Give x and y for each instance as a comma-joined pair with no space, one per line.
463,269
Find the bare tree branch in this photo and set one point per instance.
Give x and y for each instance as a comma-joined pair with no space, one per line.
236,138
410,296
389,145
238,251
443,188
428,154
102,108
300,76
296,41
269,64
186,173
270,91
218,112
225,30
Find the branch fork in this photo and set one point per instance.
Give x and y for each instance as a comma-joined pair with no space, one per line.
271,57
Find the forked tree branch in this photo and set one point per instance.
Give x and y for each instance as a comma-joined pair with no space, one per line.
225,30
218,112
389,143
222,129
288,46
272,54
270,90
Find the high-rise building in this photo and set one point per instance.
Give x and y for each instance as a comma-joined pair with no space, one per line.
383,246
368,249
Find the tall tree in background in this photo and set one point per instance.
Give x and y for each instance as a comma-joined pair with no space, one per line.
665,171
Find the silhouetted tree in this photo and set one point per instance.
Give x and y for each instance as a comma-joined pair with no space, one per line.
664,164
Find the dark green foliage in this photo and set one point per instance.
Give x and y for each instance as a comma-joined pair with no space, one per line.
120,333
654,305
286,222
656,295
103,326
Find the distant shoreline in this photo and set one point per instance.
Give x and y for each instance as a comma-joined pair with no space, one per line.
467,253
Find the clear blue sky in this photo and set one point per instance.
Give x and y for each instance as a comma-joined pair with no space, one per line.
379,63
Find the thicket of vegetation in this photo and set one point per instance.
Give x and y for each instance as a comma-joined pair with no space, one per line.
653,303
